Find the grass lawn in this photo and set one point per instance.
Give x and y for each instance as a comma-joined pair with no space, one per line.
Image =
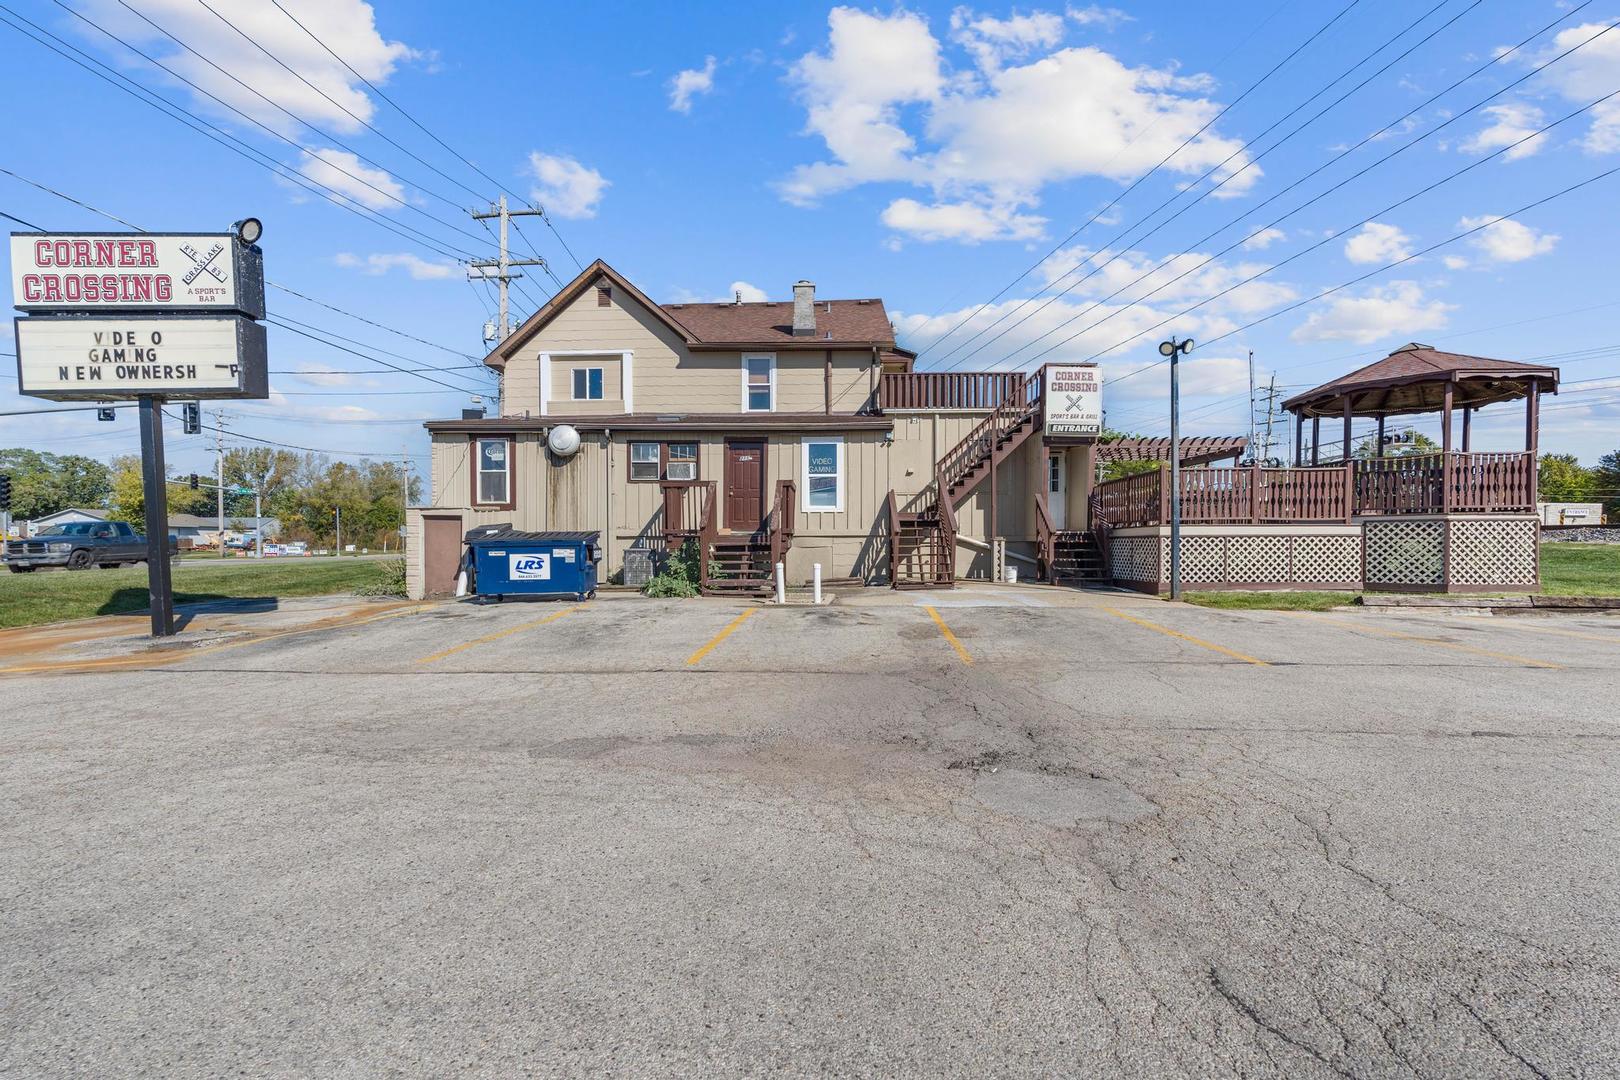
1566,570
52,595
1580,569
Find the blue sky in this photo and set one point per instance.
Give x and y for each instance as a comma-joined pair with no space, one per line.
929,154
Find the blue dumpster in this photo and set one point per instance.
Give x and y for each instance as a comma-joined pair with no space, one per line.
505,562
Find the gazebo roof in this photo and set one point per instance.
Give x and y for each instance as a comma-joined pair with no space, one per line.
1195,449
1413,378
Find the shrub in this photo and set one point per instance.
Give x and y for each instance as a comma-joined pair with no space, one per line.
390,581
680,576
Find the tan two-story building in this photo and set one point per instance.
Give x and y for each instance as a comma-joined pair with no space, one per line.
790,431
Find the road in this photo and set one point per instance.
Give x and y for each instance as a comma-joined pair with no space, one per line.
965,833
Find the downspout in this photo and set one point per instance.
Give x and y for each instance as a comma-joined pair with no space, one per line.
827,384
607,476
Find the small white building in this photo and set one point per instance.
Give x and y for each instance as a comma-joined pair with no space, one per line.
1570,513
70,516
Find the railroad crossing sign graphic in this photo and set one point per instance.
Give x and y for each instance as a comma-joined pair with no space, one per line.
203,264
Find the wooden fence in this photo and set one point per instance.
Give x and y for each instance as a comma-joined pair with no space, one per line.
952,389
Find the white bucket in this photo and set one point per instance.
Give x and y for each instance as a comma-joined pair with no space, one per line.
1012,575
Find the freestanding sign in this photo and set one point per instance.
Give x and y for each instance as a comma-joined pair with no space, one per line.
143,316
136,272
1073,401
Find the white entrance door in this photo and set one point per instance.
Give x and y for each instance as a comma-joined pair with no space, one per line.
1057,491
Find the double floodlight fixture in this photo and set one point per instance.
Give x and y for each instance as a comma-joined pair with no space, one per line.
1172,347
248,230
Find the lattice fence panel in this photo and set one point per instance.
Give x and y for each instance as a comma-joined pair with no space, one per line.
1135,558
1203,558
1258,560
1405,552
1330,560
1493,552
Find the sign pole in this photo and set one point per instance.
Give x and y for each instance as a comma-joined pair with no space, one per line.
155,493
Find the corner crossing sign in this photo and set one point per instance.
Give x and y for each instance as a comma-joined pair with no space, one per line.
1073,401
191,272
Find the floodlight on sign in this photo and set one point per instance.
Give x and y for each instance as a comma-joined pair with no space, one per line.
248,230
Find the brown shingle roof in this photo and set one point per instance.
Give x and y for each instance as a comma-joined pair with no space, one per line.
862,321
1412,379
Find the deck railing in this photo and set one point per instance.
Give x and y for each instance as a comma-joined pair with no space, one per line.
1415,484
686,503
951,389
781,520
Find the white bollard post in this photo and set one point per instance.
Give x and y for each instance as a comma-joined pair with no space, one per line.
781,584
816,590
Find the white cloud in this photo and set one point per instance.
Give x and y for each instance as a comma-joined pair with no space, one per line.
750,294
1509,123
1456,262
1586,75
1508,241
418,268
967,222
1180,279
889,108
566,188
1398,309
1264,239
991,41
344,173
1377,243
337,97
1095,15
689,84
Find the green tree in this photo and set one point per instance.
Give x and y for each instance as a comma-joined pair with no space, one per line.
43,483
128,498
1419,443
1113,470
1562,478
1606,481
259,468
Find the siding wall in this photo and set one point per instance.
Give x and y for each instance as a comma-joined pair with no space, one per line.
665,377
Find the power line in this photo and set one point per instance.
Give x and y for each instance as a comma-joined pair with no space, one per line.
1456,117
273,321
1135,183
20,221
1356,280
217,134
1210,172
397,107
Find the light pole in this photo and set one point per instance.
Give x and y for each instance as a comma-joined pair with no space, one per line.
1175,350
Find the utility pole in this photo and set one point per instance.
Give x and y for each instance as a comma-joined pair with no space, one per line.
1271,410
337,545
1173,350
1252,455
479,269
219,476
404,493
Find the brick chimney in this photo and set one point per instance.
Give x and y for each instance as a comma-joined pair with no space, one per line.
804,309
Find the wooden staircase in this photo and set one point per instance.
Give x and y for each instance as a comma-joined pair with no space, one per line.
739,564
1076,557
922,538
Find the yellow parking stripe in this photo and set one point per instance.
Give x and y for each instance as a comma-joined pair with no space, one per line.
553,617
721,636
1200,642
950,637
160,658
1398,635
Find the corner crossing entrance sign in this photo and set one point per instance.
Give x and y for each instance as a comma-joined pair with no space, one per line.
145,317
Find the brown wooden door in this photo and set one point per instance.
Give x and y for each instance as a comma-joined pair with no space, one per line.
441,555
745,484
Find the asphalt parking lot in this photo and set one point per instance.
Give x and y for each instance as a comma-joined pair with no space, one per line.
965,833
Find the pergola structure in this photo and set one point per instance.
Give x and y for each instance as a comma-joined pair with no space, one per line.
1421,379
1195,449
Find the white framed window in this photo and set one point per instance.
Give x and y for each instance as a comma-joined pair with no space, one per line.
759,382
823,474
645,459
682,463
587,384
492,477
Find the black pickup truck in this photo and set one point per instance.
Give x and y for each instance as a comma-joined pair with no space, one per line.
80,545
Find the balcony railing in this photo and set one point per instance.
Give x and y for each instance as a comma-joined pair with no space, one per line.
952,389
1416,484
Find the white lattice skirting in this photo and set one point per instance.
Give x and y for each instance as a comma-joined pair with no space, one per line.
1460,553
1224,557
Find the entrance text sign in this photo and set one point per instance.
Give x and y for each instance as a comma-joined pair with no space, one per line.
71,358
1073,401
136,272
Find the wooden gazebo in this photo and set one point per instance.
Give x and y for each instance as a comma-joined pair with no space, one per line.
1421,379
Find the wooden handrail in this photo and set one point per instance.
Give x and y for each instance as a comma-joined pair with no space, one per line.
894,540
1102,529
708,532
781,521
968,390
1045,533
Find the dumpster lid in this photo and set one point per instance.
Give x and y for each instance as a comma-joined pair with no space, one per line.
505,534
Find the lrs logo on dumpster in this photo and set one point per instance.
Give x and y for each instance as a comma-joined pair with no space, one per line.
529,567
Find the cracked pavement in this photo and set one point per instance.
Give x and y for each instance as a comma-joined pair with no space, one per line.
830,847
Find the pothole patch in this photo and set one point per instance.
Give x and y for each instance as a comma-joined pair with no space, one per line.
1061,801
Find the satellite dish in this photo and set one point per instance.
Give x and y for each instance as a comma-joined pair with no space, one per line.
563,440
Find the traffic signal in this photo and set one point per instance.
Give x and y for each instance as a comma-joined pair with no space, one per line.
106,414
191,419
193,481
5,491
